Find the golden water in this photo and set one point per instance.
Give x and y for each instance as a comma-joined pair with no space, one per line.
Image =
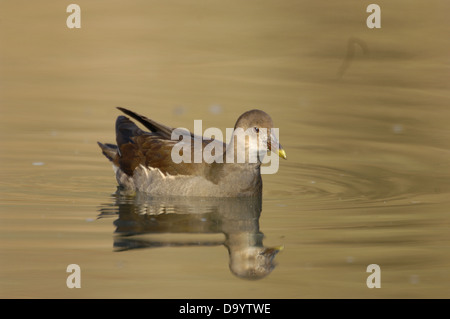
364,117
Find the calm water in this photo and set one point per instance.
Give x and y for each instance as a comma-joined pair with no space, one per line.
363,115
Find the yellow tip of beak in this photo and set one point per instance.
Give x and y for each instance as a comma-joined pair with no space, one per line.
282,153
273,250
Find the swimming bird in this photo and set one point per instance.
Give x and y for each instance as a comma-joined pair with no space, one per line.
149,162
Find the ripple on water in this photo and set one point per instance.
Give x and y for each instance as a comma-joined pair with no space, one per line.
368,185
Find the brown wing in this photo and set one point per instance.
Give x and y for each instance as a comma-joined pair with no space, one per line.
151,149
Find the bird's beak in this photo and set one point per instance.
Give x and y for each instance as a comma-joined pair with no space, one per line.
274,146
281,152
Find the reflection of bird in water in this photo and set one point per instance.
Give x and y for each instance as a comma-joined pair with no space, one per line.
145,222
248,257
352,43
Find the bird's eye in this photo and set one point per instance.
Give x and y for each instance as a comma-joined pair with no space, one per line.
256,129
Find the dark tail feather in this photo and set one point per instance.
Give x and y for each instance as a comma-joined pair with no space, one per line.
109,150
153,126
125,130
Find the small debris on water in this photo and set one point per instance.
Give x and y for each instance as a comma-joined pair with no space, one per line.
179,110
215,109
397,128
414,279
38,163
